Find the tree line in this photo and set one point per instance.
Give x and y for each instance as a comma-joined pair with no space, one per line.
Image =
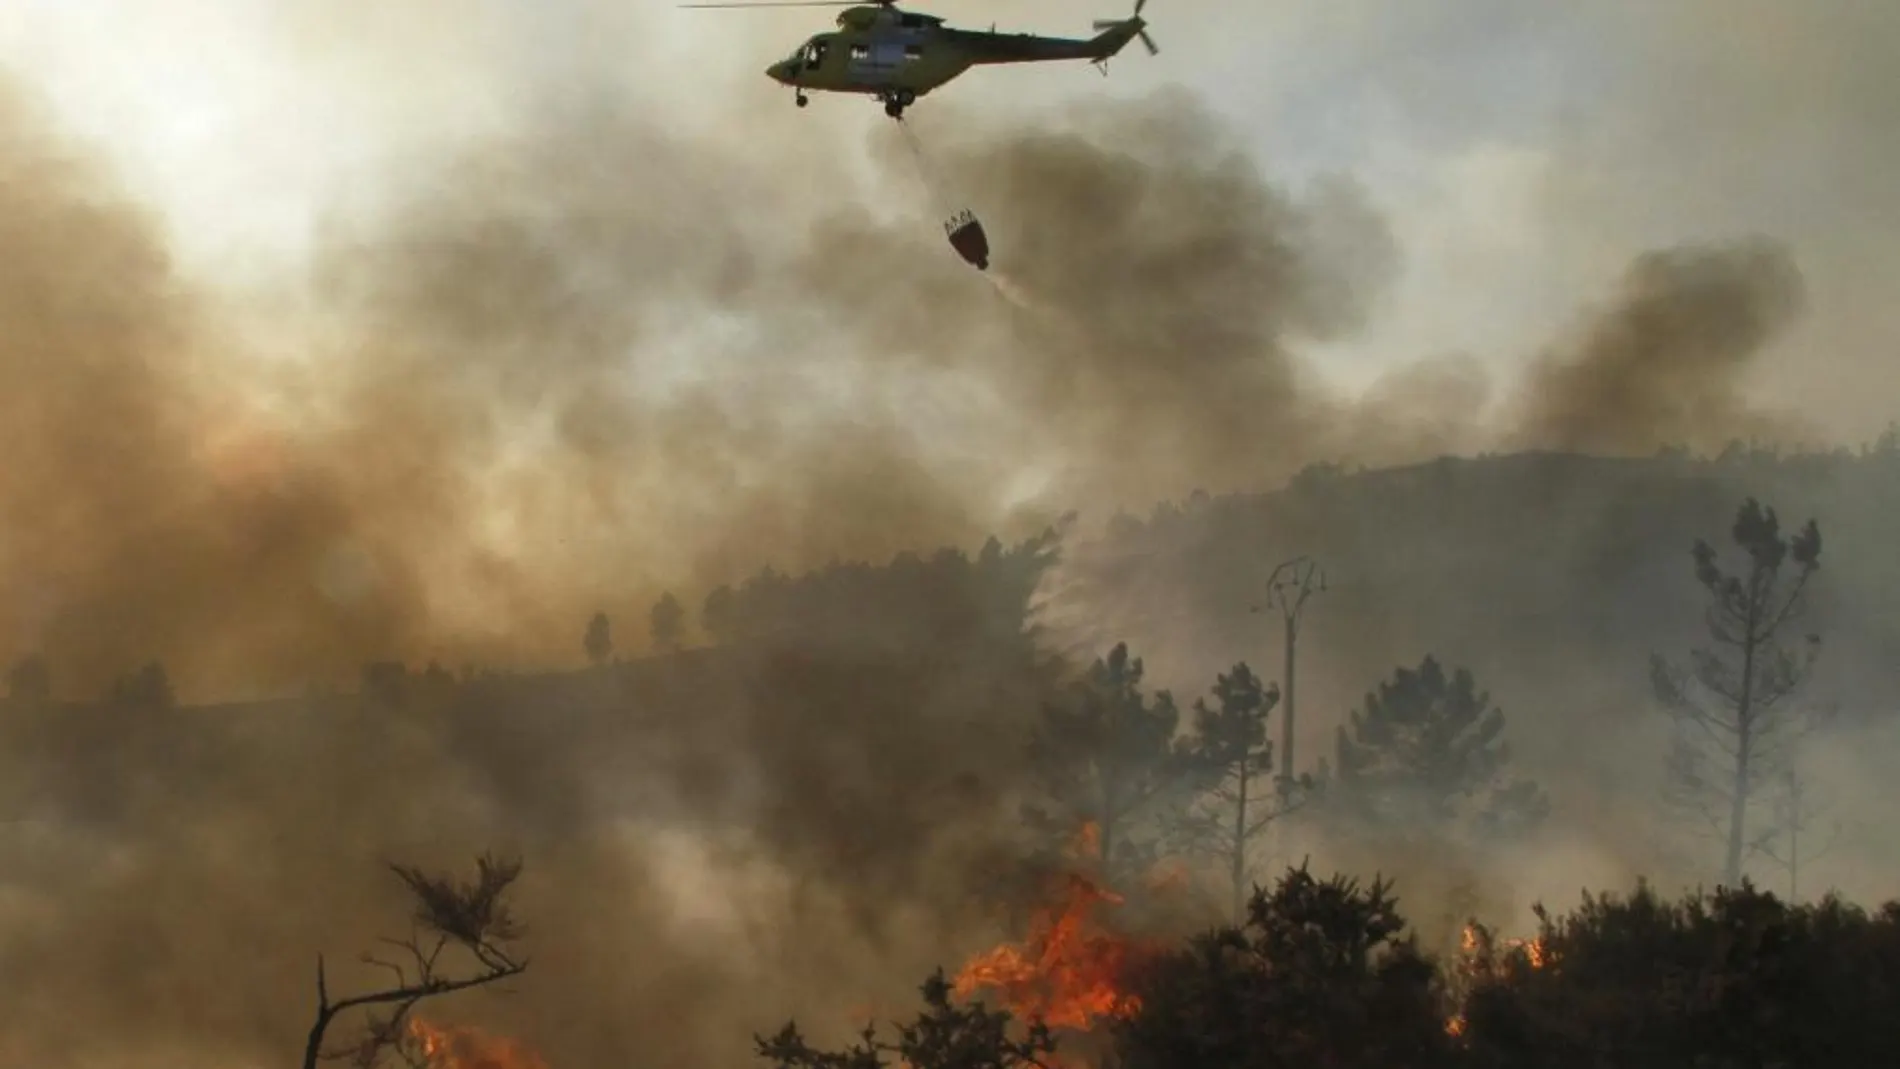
1426,743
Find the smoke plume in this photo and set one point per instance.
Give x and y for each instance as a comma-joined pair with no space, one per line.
1664,364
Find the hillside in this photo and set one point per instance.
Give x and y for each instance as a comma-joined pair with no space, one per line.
821,698
1547,574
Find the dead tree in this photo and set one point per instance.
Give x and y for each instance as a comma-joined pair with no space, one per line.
1738,728
470,921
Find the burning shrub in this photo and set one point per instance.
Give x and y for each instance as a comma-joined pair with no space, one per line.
1732,978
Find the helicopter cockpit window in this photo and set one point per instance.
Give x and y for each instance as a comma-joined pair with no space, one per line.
814,55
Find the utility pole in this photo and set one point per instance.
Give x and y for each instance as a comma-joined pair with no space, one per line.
1288,587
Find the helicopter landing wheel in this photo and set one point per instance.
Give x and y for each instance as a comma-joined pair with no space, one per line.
895,103
803,100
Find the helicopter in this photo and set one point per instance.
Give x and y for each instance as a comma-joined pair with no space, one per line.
897,56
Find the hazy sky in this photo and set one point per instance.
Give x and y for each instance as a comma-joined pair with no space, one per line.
1525,151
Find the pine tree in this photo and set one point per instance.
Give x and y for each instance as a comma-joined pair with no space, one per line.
1429,746
1232,794
1104,757
1736,730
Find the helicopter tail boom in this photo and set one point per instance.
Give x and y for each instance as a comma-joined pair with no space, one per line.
1111,36
994,48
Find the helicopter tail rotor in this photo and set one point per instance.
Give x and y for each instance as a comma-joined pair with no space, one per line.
1141,29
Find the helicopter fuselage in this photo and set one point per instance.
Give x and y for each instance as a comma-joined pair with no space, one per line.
899,57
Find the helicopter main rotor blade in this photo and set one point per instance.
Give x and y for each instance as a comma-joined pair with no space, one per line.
792,3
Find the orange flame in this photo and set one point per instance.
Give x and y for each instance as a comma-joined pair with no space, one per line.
1469,965
1533,951
1065,973
467,1048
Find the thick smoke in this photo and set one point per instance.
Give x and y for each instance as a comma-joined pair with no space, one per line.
1164,279
1665,363
129,533
740,843
530,394
521,391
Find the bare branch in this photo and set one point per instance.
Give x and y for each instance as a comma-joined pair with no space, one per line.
472,915
402,978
